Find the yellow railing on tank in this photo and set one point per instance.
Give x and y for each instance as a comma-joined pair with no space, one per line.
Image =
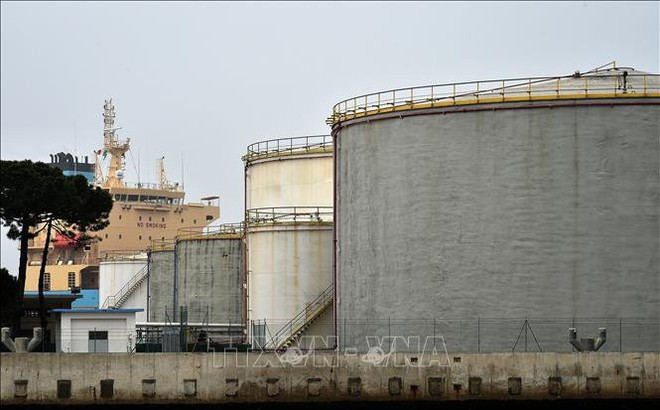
283,146
210,231
587,85
163,244
295,214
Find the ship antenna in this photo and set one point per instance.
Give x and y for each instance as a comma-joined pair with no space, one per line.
75,148
112,146
183,186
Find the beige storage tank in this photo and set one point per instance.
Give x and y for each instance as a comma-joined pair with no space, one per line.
290,273
289,172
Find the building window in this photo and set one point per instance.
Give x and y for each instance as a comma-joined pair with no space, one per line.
150,238
106,236
119,236
149,219
139,218
194,221
140,237
71,280
98,341
46,281
181,220
163,219
119,217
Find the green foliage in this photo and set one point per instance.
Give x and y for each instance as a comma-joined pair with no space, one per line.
35,196
9,291
26,192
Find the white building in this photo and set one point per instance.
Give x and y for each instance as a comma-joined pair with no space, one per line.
96,330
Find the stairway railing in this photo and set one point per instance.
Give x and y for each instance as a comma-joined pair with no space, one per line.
117,300
311,311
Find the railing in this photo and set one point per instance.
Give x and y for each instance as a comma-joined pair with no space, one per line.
311,311
595,84
265,149
163,244
117,300
121,255
192,232
152,185
274,215
85,260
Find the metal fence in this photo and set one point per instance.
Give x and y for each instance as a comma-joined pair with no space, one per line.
491,335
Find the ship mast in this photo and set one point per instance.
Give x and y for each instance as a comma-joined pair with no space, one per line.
112,146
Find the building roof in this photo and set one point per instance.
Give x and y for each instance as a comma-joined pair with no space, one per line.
90,299
96,310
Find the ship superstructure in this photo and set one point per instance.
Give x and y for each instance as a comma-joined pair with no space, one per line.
142,213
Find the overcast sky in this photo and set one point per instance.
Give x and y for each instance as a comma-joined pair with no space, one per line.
198,82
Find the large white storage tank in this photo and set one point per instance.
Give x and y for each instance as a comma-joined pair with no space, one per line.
289,234
465,209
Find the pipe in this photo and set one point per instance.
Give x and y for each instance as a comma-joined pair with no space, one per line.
602,338
572,338
22,344
6,340
37,337
587,344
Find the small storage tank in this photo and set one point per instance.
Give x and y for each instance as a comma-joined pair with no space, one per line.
210,274
161,282
122,282
494,212
289,172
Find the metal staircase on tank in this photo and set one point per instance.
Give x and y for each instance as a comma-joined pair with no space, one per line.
291,332
117,300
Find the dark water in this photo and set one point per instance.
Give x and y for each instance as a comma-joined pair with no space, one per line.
597,404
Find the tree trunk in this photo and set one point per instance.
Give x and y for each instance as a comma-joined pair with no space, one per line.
22,269
42,299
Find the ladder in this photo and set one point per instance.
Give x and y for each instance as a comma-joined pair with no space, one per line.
291,332
117,300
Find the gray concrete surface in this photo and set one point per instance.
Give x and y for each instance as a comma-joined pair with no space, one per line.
203,378
210,278
550,213
161,285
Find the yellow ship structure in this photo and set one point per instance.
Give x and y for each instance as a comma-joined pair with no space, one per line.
142,213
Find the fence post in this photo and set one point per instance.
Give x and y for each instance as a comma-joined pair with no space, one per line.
389,334
478,335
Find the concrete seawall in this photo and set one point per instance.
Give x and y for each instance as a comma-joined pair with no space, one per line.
62,378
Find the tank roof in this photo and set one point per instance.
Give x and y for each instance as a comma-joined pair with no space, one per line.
607,81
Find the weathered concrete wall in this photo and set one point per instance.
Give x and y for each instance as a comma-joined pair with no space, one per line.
143,377
210,276
544,213
161,285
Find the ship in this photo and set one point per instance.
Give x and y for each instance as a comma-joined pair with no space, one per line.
142,214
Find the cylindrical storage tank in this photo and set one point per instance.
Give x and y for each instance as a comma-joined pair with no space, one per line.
499,214
289,172
290,274
122,283
161,282
210,274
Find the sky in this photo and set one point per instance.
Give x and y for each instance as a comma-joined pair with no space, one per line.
199,82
